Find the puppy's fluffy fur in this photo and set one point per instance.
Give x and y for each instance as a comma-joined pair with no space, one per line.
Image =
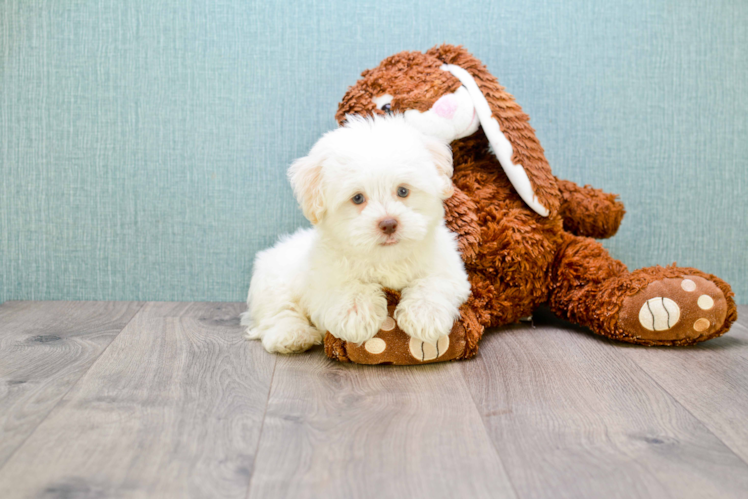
353,184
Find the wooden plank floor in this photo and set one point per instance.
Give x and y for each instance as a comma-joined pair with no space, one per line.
119,399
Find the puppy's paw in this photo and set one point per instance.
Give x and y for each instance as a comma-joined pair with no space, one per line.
359,319
253,333
425,320
287,336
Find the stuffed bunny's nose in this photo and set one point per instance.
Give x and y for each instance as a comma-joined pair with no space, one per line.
445,106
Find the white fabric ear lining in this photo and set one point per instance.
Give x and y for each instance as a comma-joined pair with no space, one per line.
500,145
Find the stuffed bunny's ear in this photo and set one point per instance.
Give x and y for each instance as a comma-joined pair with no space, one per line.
500,145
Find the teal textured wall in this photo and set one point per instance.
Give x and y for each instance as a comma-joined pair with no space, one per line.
144,144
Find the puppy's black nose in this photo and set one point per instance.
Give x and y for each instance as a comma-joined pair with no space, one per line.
388,226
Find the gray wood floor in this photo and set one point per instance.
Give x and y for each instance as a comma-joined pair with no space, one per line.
124,399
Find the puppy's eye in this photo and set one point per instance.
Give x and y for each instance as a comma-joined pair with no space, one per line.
387,108
403,192
358,199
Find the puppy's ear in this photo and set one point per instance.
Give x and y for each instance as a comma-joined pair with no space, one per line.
442,156
305,175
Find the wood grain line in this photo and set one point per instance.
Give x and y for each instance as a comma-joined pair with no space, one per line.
341,430
46,348
571,415
262,426
172,409
710,380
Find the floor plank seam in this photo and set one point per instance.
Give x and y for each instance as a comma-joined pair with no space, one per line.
680,403
488,435
262,426
20,445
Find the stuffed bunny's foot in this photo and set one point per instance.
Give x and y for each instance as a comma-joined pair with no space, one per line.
680,310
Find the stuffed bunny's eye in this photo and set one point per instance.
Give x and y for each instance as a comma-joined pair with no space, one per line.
383,103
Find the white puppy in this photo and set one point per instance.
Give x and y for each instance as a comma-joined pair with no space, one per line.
373,189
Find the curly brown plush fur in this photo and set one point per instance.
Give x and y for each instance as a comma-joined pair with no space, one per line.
588,211
517,259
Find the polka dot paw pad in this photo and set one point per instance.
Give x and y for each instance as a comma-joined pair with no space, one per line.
425,351
393,346
674,309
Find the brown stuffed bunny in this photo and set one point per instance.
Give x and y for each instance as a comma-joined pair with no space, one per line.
525,236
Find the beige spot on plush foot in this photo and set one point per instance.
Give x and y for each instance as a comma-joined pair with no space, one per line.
658,314
416,348
375,345
388,325
688,285
443,344
429,351
426,351
701,324
705,302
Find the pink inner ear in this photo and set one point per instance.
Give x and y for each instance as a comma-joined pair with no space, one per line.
445,106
